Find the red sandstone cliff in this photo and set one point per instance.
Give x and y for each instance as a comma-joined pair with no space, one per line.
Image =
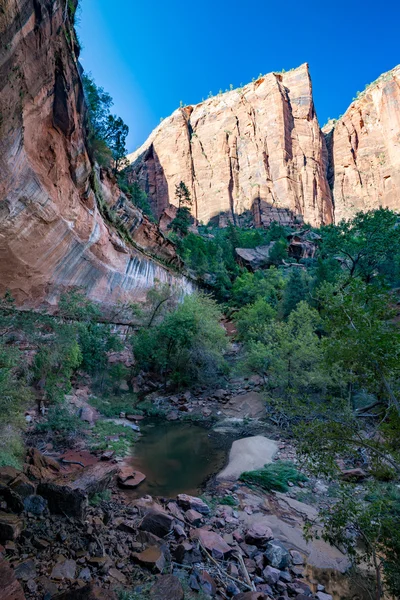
52,232
258,148
364,149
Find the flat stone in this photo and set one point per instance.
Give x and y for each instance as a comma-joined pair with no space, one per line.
64,569
167,587
128,478
248,454
353,475
152,558
26,570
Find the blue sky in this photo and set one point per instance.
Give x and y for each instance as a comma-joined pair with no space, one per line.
150,55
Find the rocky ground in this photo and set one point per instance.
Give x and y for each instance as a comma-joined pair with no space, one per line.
235,542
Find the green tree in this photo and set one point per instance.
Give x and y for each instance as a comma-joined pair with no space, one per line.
187,345
363,243
107,132
181,223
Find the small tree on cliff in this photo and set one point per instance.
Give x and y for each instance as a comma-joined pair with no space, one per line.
181,223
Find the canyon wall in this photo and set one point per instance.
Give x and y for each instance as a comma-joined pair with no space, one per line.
364,150
258,149
53,202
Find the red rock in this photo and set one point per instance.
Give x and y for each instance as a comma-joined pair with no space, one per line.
364,150
212,542
224,140
194,517
167,587
188,502
158,523
353,475
10,589
128,478
259,534
152,558
53,232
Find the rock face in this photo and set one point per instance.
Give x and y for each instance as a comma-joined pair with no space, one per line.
364,149
53,201
258,149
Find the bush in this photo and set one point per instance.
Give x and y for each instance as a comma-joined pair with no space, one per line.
187,345
274,476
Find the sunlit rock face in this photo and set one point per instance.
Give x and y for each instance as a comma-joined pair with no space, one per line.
257,149
52,233
364,150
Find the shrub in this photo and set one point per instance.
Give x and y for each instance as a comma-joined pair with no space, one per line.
274,476
187,345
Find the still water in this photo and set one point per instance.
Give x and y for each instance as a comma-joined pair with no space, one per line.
177,458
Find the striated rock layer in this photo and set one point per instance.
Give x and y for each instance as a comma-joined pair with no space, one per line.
53,233
364,150
258,148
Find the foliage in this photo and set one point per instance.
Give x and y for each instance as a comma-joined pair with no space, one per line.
374,519
183,219
228,501
136,195
62,423
363,243
107,132
274,476
112,406
100,497
187,345
107,435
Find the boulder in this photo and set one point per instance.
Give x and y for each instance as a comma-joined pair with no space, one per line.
11,498
69,495
255,258
271,575
36,505
187,502
259,534
194,517
10,588
277,556
40,467
353,475
22,486
156,522
212,542
128,478
11,527
152,558
7,474
167,587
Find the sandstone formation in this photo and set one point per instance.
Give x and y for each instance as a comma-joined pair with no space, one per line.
258,149
364,149
54,233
